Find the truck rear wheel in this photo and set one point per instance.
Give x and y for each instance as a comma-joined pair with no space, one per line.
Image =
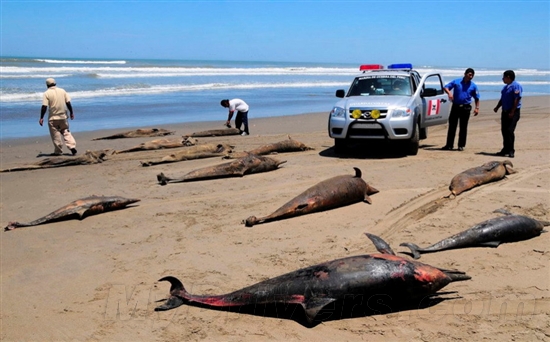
413,143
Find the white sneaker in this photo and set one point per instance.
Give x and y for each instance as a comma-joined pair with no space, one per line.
244,133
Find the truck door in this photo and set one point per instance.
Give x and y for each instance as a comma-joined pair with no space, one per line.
435,102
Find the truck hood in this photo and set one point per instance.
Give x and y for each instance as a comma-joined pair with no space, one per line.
374,101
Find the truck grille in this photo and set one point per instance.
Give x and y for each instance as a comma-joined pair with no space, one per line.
365,113
367,129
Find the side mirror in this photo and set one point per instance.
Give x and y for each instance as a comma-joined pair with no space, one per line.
429,92
340,93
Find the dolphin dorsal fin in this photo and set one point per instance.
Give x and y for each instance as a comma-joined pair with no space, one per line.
381,245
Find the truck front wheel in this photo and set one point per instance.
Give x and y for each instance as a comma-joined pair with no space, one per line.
413,143
423,133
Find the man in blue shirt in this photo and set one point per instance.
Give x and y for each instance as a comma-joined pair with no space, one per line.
510,101
461,97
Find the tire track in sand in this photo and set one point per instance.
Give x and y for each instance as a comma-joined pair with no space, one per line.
428,203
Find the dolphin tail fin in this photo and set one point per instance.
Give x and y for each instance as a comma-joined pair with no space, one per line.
381,245
249,222
13,225
367,199
177,294
314,305
372,190
509,167
452,195
414,249
162,179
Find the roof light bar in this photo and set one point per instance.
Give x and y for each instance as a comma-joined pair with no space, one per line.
371,67
400,66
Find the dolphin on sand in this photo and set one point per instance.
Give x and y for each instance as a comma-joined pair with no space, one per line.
316,286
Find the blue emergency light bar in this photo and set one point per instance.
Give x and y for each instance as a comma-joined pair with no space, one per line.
400,66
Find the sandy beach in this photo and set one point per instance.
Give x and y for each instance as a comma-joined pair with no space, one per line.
96,279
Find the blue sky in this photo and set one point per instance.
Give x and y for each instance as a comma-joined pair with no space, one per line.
484,33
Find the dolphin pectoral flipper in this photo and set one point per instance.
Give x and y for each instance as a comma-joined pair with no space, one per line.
314,305
81,212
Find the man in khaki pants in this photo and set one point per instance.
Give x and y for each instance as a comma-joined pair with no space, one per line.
58,100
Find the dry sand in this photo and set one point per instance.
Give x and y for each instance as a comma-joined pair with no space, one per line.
96,279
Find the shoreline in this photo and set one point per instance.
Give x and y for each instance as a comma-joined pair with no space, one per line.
259,125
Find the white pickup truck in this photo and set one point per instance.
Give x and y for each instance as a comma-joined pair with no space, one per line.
395,103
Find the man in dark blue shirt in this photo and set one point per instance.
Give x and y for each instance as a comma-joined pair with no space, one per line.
461,97
510,101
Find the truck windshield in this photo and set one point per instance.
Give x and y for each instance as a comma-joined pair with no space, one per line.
380,85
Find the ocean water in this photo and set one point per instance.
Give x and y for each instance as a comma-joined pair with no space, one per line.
150,93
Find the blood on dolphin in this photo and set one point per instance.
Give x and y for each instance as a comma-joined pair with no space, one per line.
316,286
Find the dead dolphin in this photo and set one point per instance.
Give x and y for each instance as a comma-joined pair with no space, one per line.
486,173
139,133
193,152
490,233
159,144
332,193
288,145
80,209
316,286
237,168
216,132
89,157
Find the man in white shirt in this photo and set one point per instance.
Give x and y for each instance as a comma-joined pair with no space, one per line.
59,101
242,114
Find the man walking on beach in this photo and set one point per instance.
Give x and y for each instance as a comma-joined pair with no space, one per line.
510,100
58,100
242,114
461,97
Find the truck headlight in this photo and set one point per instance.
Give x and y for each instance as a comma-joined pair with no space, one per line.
338,112
401,113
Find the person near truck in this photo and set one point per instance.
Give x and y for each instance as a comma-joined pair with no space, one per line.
510,101
463,90
242,114
58,101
